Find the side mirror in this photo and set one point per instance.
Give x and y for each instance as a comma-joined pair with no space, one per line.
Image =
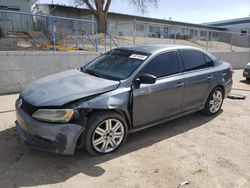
146,79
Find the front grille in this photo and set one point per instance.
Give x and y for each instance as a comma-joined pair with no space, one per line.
28,108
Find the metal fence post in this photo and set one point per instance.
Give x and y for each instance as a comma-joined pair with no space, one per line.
83,41
76,32
110,42
97,37
33,27
27,25
93,26
134,31
54,33
174,34
207,40
64,32
105,44
21,17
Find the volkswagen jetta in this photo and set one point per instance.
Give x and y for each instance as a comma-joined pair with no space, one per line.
122,91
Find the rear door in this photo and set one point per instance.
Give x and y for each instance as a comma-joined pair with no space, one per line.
198,76
153,102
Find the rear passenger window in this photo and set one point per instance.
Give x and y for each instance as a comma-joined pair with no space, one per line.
209,61
163,65
194,60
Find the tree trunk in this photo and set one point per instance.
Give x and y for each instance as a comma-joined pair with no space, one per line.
101,22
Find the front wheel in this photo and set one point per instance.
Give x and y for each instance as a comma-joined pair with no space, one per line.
106,132
214,101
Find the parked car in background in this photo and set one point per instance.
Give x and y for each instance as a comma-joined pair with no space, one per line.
246,72
122,91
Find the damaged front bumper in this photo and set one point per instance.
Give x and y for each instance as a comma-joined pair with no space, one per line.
56,138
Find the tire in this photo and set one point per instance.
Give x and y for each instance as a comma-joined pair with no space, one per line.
106,132
248,79
214,102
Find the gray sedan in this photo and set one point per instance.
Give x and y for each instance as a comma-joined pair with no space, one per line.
122,91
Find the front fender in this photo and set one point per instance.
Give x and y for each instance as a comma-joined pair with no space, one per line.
118,99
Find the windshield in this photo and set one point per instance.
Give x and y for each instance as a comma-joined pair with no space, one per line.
116,64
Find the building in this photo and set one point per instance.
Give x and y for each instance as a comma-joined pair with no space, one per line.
240,25
123,24
17,5
236,31
15,22
241,28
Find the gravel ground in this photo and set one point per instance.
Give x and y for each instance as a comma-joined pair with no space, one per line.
208,152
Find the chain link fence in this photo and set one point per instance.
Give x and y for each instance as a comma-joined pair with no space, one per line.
27,31
138,32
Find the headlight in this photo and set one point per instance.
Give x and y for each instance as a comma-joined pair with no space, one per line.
54,115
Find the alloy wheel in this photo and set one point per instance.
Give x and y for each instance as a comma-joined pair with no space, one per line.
216,101
108,135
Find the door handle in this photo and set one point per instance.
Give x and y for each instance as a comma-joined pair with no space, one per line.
210,77
179,84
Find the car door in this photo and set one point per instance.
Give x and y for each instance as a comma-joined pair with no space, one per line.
154,102
198,78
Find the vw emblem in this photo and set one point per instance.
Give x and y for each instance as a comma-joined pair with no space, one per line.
20,103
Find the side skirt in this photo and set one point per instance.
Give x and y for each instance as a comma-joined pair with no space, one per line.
165,120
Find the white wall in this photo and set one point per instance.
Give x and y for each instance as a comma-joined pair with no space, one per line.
238,60
20,68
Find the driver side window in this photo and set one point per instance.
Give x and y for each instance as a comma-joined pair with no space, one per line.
163,65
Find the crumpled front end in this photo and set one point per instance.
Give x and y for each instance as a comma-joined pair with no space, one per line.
56,138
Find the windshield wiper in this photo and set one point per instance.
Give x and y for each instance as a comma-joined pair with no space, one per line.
92,72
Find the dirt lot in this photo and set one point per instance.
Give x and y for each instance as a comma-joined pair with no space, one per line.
33,41
208,152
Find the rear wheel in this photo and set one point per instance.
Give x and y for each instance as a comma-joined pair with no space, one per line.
214,101
106,132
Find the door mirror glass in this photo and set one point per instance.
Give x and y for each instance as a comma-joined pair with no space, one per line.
146,79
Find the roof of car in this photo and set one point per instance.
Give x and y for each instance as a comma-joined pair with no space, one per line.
152,48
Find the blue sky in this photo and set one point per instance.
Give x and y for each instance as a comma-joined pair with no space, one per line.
193,11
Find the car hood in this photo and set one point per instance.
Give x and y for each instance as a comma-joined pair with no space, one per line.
61,88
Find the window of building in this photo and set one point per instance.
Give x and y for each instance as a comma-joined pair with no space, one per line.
163,65
140,27
194,60
243,32
195,32
165,29
203,33
15,8
154,29
215,35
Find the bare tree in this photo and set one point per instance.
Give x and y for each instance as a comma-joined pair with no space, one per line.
142,5
99,9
